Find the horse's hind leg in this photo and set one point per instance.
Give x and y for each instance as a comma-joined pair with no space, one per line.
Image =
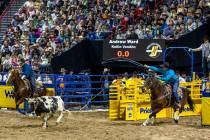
152,117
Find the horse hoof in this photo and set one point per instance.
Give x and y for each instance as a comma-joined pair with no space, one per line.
44,127
143,124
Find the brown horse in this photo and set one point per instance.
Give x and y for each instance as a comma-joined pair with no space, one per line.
161,97
22,88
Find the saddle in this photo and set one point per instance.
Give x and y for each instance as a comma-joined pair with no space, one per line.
167,88
27,83
29,86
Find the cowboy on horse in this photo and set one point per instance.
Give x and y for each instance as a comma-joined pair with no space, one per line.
22,86
161,93
169,77
28,73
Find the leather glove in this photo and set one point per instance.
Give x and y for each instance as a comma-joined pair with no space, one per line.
146,66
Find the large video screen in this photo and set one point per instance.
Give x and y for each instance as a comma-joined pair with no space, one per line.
139,50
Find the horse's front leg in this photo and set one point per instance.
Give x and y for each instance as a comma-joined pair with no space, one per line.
17,106
177,113
21,100
152,117
18,102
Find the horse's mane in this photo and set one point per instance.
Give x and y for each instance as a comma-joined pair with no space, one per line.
18,73
156,82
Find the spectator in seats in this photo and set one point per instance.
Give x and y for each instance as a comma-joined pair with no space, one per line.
120,35
5,48
139,31
6,62
168,32
191,25
61,24
63,71
14,60
148,34
44,60
29,4
181,77
26,53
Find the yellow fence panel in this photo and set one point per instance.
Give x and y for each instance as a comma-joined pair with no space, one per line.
206,111
7,100
132,103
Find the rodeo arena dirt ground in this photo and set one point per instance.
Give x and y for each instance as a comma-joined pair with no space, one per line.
96,125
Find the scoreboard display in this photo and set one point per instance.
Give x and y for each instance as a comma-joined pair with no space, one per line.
138,50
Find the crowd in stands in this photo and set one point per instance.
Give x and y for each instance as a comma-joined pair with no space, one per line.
42,29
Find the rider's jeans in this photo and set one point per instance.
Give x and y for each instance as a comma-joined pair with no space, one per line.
175,91
33,83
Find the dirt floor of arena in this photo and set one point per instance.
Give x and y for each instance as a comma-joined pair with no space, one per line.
97,126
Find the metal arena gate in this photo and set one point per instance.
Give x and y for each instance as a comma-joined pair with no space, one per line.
83,91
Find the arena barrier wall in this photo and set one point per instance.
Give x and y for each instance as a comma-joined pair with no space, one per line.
7,99
205,111
127,101
206,103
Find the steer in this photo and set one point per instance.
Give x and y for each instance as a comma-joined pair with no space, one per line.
46,106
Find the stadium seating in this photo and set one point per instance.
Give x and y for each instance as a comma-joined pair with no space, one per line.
42,29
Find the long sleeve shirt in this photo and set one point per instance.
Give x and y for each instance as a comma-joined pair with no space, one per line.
27,71
205,48
168,76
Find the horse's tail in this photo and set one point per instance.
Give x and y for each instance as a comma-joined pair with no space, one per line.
189,99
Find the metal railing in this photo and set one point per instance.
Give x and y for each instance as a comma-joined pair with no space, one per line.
7,13
84,91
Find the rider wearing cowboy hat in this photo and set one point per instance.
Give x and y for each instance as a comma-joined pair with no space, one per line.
170,77
28,73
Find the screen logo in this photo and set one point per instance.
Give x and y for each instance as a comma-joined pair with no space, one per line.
154,50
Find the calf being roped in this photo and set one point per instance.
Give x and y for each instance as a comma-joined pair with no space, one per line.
46,107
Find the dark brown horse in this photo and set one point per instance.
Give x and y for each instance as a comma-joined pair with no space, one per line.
22,88
161,97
